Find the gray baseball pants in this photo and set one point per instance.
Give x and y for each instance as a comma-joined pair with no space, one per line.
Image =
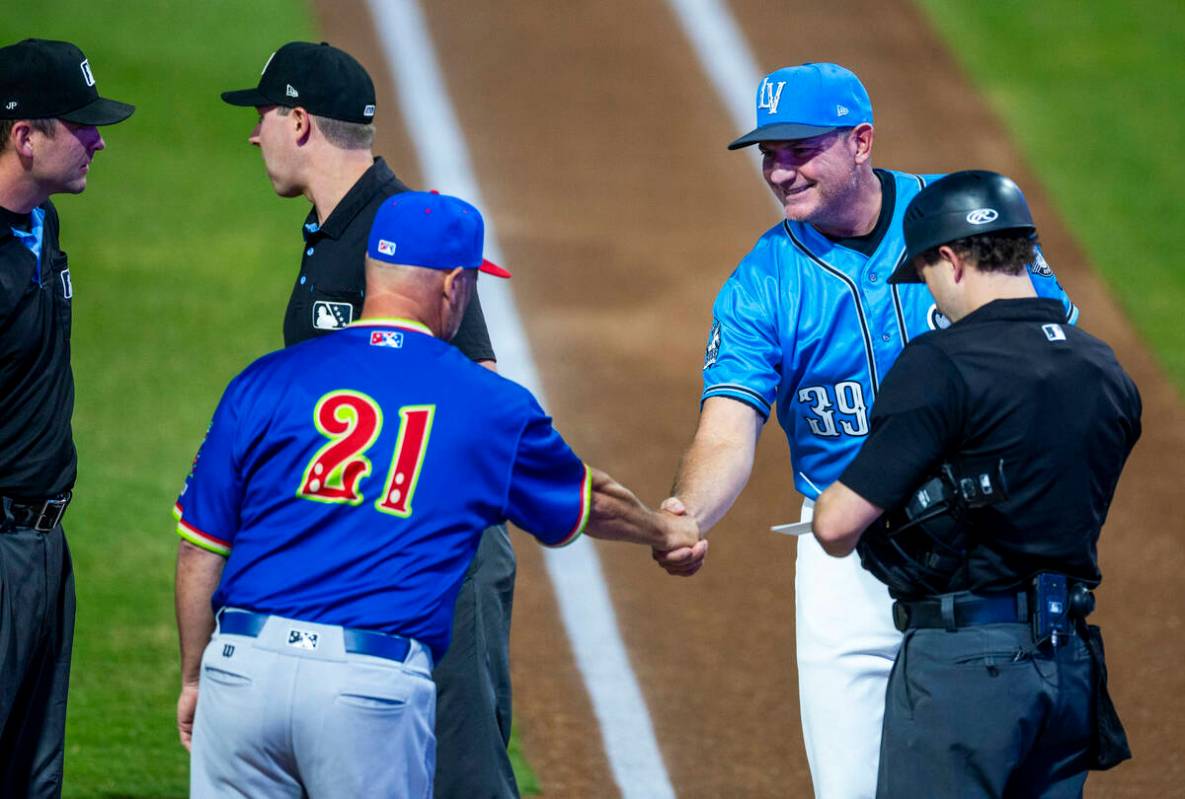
984,712
284,715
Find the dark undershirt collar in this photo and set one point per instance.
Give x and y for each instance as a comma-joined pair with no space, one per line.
868,243
11,219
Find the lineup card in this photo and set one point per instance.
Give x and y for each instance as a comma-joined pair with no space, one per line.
797,528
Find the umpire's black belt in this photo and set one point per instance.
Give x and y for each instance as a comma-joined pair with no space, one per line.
952,611
358,642
42,515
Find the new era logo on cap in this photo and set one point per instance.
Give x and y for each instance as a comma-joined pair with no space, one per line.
386,247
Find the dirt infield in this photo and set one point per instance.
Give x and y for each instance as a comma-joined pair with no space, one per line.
599,146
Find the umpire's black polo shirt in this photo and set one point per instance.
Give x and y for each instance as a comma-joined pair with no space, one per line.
329,290
1010,380
37,458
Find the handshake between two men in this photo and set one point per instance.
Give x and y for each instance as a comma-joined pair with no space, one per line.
618,515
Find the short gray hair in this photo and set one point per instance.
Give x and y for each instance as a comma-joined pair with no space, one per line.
346,135
44,126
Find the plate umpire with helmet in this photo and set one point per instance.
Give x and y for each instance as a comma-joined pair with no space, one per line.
978,498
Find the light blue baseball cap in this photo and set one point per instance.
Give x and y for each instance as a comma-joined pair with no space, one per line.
807,100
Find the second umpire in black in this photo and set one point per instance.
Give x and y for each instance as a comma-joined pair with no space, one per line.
978,497
50,110
316,106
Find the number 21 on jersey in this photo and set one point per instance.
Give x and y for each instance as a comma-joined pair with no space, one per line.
352,422
846,398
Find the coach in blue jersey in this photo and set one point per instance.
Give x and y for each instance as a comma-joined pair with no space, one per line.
334,508
317,114
806,327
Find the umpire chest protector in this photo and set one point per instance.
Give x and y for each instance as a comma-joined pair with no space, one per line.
921,548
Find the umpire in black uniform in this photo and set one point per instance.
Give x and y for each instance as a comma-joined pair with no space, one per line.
316,107
995,449
49,113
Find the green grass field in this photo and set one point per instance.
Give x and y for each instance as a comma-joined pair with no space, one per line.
1092,93
181,258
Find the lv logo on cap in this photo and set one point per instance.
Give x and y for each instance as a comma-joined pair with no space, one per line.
771,96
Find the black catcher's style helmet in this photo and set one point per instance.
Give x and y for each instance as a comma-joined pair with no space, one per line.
960,205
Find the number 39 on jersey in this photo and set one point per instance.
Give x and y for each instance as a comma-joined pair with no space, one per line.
835,410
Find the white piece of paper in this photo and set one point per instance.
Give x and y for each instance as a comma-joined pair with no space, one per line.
797,528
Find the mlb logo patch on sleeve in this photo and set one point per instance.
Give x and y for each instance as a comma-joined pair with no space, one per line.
386,338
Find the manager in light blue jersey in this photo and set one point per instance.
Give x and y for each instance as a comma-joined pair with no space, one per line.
806,327
334,508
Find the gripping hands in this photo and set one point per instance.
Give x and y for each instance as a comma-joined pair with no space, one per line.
673,535
682,561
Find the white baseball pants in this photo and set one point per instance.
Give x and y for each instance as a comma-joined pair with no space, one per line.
846,645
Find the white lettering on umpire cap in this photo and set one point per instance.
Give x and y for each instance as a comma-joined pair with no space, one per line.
87,75
769,97
981,216
11,105
291,92
1054,332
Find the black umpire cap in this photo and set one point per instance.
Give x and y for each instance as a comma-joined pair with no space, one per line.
323,80
960,205
41,79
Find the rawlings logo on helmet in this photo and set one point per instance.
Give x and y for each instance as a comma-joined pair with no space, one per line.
981,216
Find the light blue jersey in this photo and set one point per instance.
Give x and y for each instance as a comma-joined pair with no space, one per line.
813,326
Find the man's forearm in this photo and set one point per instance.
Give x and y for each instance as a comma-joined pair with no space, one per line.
718,463
840,518
198,573
618,515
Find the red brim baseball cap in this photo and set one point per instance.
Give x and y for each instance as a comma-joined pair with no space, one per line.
431,230
491,268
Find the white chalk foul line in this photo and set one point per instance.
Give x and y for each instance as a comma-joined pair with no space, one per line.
726,58
585,607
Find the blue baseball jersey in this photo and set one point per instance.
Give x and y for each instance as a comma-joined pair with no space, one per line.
348,479
812,327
